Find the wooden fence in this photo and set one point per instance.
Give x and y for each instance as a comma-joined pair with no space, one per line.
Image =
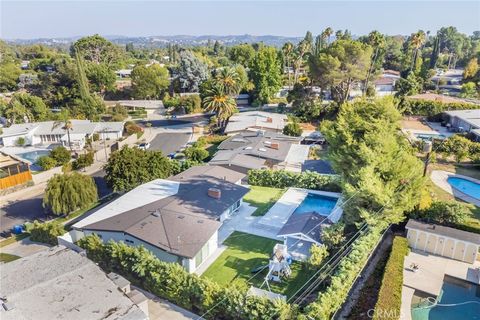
15,180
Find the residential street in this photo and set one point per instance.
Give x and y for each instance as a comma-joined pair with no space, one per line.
29,207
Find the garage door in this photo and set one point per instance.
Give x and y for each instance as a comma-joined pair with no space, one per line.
412,238
431,243
422,241
459,251
440,244
470,253
449,247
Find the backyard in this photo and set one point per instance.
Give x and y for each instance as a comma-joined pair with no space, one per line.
246,252
263,198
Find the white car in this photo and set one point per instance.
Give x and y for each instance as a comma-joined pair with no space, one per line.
144,145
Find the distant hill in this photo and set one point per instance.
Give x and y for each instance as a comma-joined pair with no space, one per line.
162,41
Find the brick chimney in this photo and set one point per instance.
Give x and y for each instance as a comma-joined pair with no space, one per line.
275,145
214,193
269,120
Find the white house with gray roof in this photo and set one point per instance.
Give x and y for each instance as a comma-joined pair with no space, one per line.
256,120
176,219
465,121
49,132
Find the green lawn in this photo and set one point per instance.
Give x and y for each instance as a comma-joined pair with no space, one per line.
246,252
263,198
5,257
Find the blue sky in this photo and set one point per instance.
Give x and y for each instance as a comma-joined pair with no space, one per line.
32,19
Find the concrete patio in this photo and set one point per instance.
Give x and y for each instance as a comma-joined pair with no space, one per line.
430,274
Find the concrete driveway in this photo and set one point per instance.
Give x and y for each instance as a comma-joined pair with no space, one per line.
24,248
169,142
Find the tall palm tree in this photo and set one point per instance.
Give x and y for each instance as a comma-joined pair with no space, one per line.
66,124
221,103
328,33
377,41
287,52
230,80
417,39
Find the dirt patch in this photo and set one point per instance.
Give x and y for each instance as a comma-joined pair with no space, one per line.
414,123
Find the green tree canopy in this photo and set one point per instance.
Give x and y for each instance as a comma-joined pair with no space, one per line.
266,73
35,105
97,50
149,82
242,54
378,166
129,167
190,72
339,66
66,193
100,76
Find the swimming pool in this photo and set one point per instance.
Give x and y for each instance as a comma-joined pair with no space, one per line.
33,156
468,187
315,202
458,299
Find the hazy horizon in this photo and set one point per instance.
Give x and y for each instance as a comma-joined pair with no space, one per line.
66,19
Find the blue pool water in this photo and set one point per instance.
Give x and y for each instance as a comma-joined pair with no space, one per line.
32,156
454,292
465,186
318,203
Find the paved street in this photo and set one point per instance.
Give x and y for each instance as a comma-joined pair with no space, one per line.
29,208
179,121
169,142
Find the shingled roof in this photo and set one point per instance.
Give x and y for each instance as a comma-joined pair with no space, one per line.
308,224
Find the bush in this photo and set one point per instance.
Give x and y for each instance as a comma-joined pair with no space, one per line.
180,166
196,154
46,162
446,212
46,232
390,295
285,179
131,128
83,161
293,129
432,108
61,155
20,141
96,137
172,282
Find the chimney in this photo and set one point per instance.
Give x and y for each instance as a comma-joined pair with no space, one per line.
214,193
275,145
269,120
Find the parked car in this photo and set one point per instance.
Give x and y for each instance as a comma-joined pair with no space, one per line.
144,145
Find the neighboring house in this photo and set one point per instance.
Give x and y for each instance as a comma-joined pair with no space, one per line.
13,171
59,283
256,120
319,166
443,241
177,219
243,100
301,231
150,106
257,150
385,83
464,120
46,133
123,73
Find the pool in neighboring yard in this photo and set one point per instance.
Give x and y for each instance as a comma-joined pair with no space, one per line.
33,156
315,202
429,136
465,186
458,299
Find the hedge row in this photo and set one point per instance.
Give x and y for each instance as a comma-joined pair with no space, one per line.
431,108
390,296
332,298
170,281
45,232
285,179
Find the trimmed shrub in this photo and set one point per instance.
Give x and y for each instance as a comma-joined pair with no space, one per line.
293,129
196,154
432,108
285,179
83,161
46,162
390,295
61,155
446,212
172,282
131,128
46,232
203,141
20,141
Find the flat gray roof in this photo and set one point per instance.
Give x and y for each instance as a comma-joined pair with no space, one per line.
59,283
444,231
309,224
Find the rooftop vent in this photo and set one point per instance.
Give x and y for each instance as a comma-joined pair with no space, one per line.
181,217
238,140
262,149
214,193
248,148
156,213
267,142
260,133
275,145
199,221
